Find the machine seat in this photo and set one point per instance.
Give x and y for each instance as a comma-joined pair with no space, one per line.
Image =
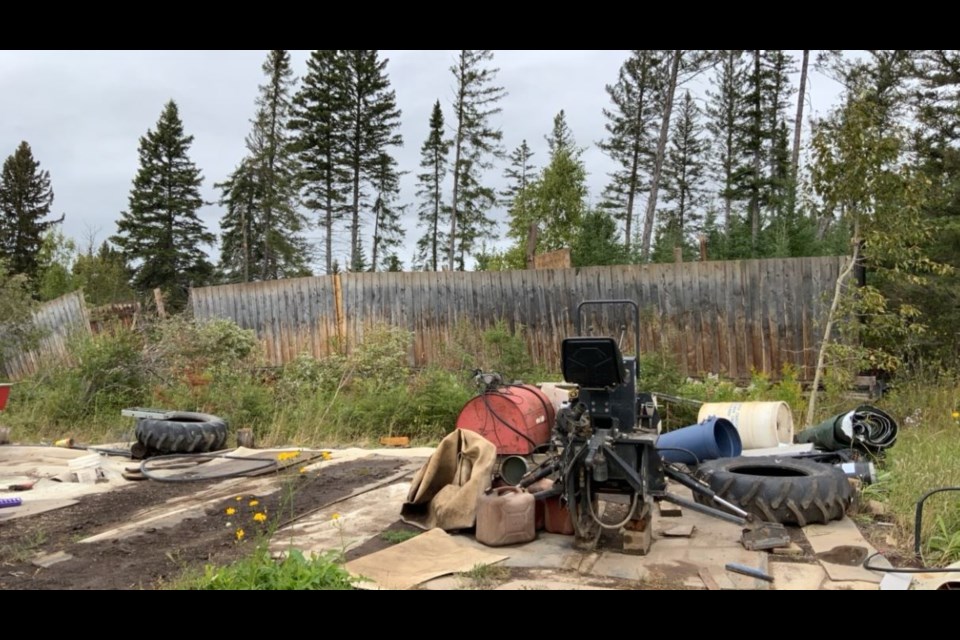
593,363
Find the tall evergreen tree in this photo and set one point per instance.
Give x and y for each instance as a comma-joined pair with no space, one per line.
318,112
684,173
262,228
388,233
597,241
555,201
160,234
25,201
518,174
629,127
434,163
726,112
370,125
103,276
475,101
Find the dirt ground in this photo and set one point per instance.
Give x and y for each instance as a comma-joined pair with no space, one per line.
160,556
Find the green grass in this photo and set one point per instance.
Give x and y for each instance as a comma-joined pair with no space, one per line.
485,576
396,537
926,456
261,572
22,550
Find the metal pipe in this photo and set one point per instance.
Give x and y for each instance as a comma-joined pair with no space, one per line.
702,508
703,489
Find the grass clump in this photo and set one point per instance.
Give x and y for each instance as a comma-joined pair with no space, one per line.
261,572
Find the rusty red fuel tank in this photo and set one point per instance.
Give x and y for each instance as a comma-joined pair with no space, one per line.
516,417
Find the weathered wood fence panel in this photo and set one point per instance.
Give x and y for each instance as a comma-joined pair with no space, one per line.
731,318
58,320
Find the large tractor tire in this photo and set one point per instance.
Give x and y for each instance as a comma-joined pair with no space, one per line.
784,490
182,432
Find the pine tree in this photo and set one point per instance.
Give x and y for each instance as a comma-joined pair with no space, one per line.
475,99
25,201
777,92
684,174
160,234
554,202
629,125
318,111
434,163
370,125
262,228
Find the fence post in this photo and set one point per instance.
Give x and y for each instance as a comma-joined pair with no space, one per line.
339,312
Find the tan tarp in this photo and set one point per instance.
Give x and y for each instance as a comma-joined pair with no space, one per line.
445,490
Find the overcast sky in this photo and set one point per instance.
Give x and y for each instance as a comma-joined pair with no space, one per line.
84,112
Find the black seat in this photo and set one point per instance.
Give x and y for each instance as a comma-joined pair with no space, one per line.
593,363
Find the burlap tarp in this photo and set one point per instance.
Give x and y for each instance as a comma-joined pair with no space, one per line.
445,490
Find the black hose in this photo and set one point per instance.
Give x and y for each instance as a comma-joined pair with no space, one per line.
681,449
496,415
867,565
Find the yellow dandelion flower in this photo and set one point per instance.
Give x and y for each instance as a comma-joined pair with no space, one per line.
303,469
253,503
326,455
231,511
335,516
287,455
956,415
239,498
259,517
240,534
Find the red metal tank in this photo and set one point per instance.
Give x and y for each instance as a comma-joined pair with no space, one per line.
517,418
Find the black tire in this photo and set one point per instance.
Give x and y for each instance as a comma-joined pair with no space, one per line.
182,432
784,490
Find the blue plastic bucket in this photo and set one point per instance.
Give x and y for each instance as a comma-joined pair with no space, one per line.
711,439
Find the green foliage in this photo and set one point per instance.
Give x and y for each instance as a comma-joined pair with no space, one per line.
597,242
103,276
555,200
396,537
17,331
260,572
924,458
55,264
160,234
25,201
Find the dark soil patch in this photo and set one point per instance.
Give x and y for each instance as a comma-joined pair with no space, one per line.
156,558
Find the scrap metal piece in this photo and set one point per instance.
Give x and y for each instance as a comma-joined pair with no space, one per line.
753,572
769,535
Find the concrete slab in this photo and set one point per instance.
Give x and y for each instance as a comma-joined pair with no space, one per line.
795,576
848,585
548,585
49,559
841,549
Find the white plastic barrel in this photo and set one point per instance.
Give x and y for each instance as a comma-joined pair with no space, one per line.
761,424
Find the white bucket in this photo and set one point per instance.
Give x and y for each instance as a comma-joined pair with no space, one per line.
761,424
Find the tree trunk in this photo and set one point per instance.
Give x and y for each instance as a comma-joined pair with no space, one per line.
837,291
798,122
757,148
661,151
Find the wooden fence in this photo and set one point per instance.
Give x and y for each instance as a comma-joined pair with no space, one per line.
731,317
57,320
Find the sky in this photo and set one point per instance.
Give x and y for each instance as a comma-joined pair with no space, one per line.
83,113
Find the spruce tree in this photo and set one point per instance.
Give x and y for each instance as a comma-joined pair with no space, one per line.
684,176
25,201
370,125
388,232
103,276
318,111
518,174
629,125
475,140
434,164
597,241
555,201
262,228
160,234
